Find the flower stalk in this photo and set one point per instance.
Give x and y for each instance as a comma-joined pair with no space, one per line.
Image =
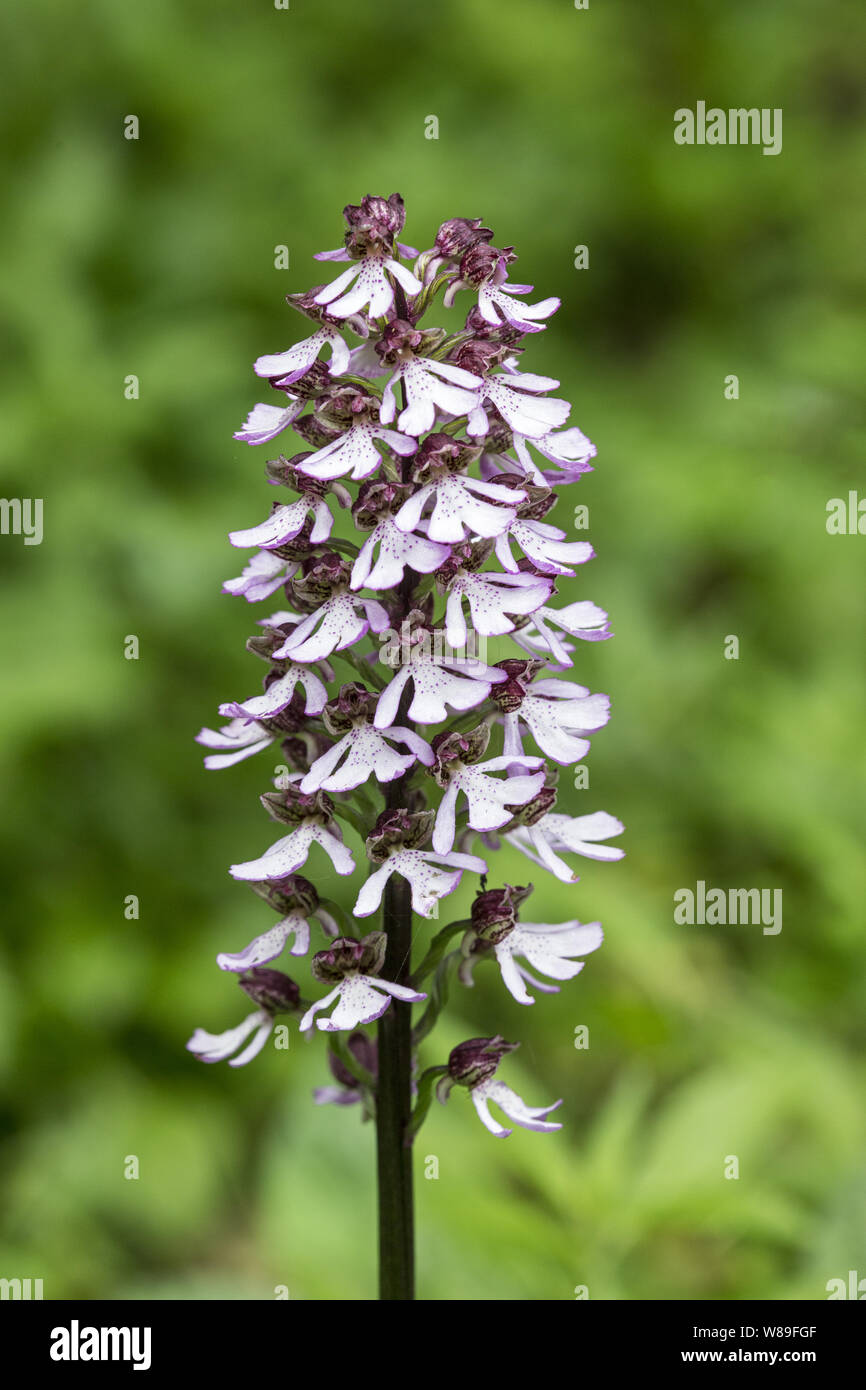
448,457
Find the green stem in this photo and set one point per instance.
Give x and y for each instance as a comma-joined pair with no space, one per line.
393,1109
426,1089
438,998
437,949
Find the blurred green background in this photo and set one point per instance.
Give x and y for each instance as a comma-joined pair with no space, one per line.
156,258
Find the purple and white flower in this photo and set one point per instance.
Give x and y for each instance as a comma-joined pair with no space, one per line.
360,999
423,869
473,1064
365,286
497,304
274,993
429,385
544,545
298,904
436,684
491,800
280,693
513,1107
265,422
583,619
397,549
549,950
363,751
291,365
261,577
516,397
557,714
270,944
290,853
285,523
462,507
491,598
439,494
219,1047
556,834
354,454
361,995
239,739
341,621
569,449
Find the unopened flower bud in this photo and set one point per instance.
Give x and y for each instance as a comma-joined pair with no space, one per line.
290,806
509,695
348,956
505,333
479,261
376,500
345,404
533,810
315,431
266,642
462,557
481,356
399,829
322,576
439,455
373,223
458,234
315,380
289,719
476,1060
354,704
458,748
539,500
271,990
286,472
399,337
293,893
495,912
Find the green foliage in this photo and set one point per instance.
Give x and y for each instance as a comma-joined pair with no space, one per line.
156,258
